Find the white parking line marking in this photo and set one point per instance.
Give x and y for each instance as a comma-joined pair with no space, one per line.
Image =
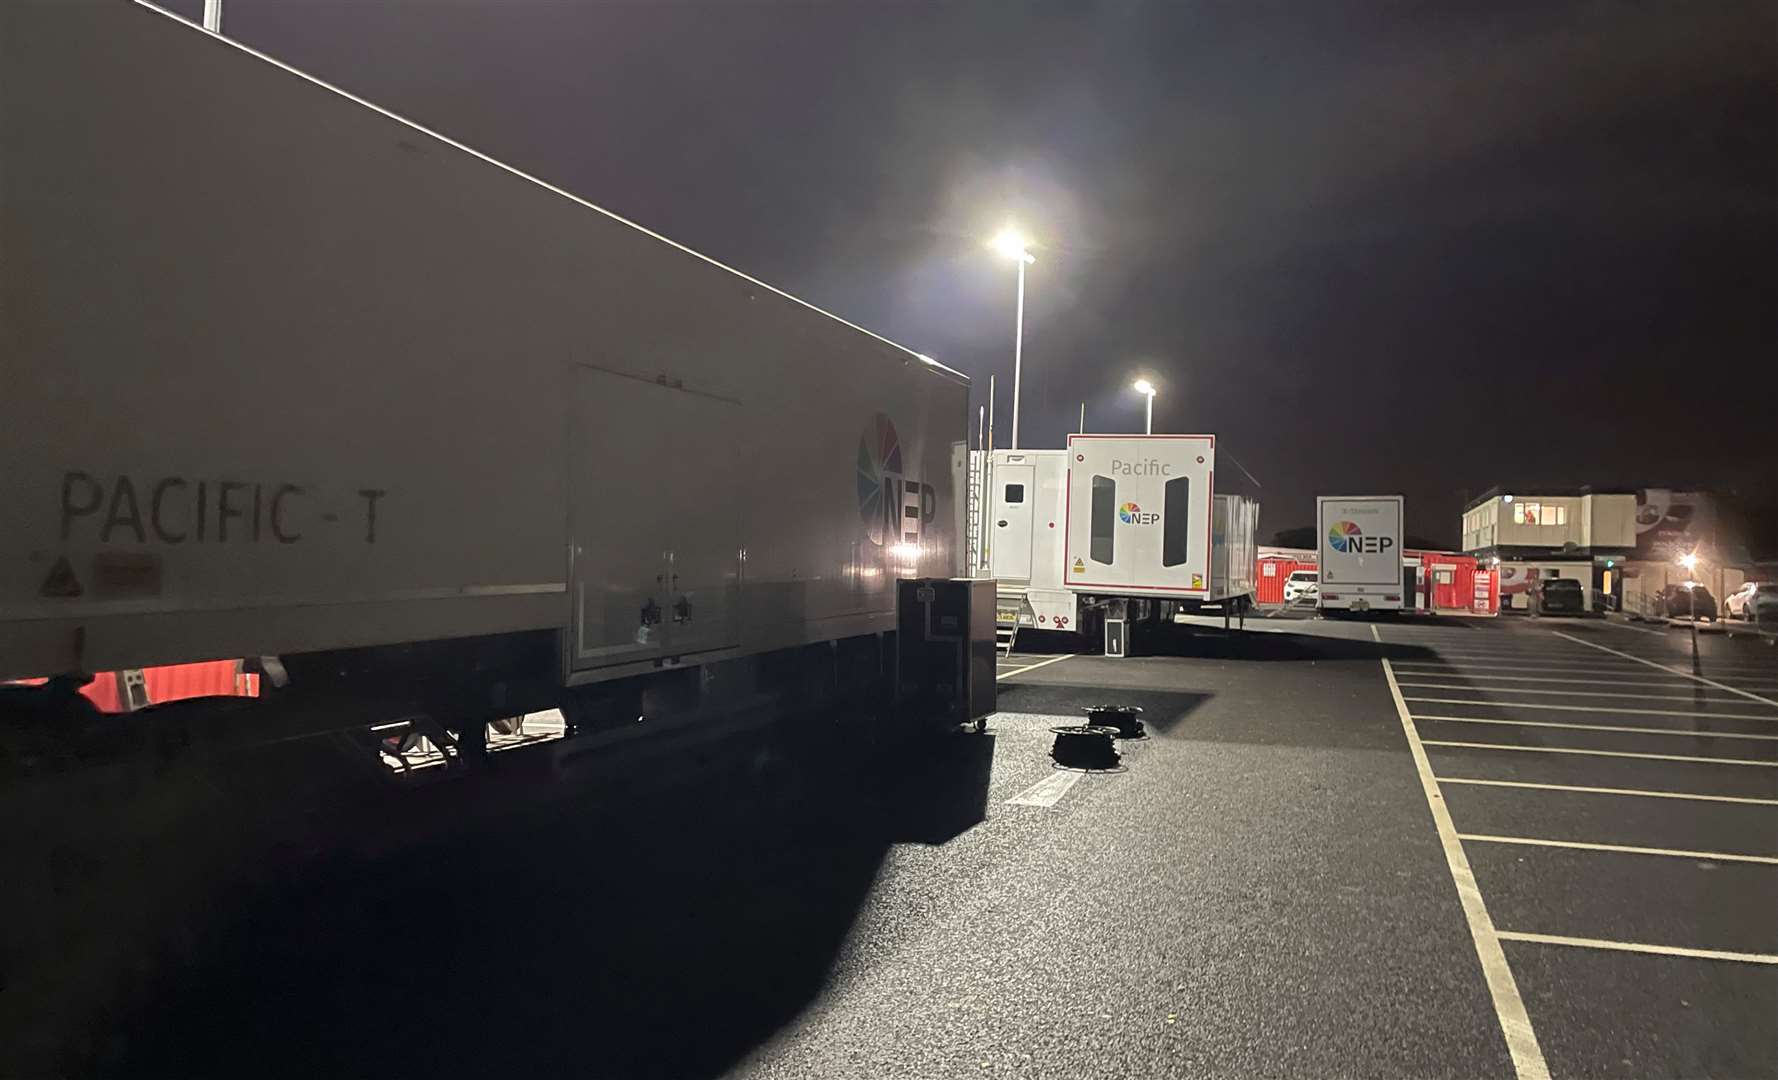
1639,947
1531,647
1579,656
1578,659
1583,790
1666,684
1560,693
1539,668
1595,680
1048,791
1509,1008
1597,663
1627,729
1601,753
1595,708
1031,667
1622,849
1676,671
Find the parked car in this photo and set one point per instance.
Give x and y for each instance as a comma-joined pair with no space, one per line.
1563,596
1756,600
1302,586
1679,602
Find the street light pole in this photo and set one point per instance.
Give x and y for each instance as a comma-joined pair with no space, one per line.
1146,388
1690,562
1692,592
990,412
1018,352
1013,245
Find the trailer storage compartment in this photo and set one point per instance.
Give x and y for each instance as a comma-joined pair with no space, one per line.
312,377
1232,546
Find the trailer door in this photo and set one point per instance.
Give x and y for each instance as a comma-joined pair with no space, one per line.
1014,494
655,520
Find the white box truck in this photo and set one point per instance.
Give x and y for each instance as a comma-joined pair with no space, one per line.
1115,530
287,376
1360,552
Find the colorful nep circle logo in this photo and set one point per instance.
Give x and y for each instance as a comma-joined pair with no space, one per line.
1345,536
1127,513
880,480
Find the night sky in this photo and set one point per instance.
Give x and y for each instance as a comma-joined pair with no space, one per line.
1375,248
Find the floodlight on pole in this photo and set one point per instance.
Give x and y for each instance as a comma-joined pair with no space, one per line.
1011,244
1146,388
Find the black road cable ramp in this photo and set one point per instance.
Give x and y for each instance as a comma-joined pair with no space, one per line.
1126,720
1088,747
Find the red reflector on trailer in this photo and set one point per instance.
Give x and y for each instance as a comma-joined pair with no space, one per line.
1392,598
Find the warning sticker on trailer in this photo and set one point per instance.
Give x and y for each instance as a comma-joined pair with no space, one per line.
1197,581
1080,566
61,584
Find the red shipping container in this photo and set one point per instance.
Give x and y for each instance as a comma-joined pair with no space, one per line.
1456,584
213,678
1270,573
172,682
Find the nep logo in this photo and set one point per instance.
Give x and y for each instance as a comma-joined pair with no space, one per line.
894,509
1131,514
1346,536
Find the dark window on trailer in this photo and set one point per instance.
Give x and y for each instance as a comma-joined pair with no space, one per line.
1104,541
1176,522
1015,493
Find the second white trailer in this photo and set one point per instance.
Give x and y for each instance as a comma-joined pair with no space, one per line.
1360,549
1113,531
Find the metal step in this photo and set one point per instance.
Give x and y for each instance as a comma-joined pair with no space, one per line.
1004,636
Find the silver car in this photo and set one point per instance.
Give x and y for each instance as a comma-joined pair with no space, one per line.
1756,601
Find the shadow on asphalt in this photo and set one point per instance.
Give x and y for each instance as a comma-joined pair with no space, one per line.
1189,641
1161,709
661,934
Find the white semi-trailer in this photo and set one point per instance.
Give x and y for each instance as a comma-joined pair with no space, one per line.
1114,532
287,376
1360,552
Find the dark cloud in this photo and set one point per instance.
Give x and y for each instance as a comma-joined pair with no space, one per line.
1383,247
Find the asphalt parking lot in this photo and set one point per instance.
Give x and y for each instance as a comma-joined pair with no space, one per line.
1344,849
1619,814
1472,848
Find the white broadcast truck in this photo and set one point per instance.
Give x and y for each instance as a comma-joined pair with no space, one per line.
1115,532
292,379
1360,552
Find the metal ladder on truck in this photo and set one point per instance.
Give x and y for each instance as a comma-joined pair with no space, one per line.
1007,599
976,539
975,535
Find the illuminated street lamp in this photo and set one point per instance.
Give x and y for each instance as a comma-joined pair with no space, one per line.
1012,244
1146,388
1690,562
